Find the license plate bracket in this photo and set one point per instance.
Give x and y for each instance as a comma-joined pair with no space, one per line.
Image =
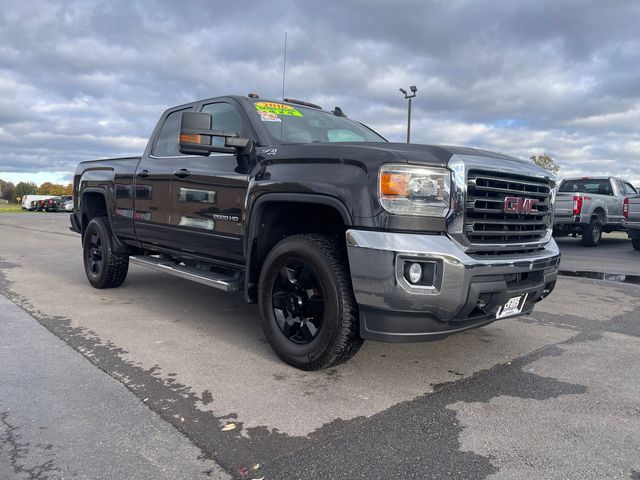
513,306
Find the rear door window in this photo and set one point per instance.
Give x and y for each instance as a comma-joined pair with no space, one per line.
631,190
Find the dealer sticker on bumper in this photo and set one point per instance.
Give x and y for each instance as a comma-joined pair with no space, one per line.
513,307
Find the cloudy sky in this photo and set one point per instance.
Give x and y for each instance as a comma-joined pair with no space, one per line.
87,79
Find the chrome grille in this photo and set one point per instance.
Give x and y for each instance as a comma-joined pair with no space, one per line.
485,220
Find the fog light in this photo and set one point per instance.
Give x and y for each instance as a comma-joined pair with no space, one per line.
415,273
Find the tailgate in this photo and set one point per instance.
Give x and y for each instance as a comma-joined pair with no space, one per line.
634,212
564,205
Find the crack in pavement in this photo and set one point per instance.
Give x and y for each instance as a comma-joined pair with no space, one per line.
18,452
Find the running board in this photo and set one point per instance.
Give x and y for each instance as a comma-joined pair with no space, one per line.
227,283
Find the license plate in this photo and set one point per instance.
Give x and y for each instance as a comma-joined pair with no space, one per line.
513,307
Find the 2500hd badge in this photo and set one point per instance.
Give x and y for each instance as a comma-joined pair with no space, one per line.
227,218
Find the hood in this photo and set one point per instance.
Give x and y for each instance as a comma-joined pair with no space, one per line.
372,155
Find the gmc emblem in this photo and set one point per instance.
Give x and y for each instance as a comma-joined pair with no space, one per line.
520,205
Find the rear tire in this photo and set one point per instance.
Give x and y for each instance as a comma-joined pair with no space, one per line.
104,268
636,243
309,312
592,233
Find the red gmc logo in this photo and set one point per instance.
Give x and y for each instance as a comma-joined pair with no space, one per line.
520,205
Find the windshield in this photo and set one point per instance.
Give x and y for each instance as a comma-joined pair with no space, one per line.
587,185
296,124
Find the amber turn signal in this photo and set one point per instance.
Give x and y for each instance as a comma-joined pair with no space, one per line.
185,138
394,183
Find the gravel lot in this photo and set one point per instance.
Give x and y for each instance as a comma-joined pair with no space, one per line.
142,379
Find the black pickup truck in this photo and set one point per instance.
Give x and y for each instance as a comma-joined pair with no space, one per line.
337,234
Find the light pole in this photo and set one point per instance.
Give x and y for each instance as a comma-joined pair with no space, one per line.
409,97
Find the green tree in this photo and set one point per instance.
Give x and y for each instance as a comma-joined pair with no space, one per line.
26,188
545,161
9,192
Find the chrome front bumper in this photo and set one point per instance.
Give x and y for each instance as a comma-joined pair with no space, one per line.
392,310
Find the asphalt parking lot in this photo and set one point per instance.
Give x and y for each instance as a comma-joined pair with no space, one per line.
138,382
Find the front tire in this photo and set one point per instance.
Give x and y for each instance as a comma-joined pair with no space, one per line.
104,268
636,243
592,233
309,313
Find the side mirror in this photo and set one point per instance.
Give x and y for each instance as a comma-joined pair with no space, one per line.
196,137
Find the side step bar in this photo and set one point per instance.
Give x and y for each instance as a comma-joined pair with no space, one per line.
227,283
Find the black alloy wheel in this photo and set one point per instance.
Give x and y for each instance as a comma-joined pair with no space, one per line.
309,313
94,253
104,267
298,301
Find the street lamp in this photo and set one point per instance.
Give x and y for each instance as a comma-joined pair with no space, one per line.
409,97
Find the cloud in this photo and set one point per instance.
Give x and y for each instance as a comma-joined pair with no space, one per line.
88,79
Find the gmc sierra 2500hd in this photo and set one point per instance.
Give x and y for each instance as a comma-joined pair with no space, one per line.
337,234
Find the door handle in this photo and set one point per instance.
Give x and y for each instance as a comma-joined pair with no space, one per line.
183,172
144,173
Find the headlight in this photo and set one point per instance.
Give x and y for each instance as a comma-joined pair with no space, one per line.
413,190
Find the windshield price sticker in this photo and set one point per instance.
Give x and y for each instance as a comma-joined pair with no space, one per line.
269,117
513,307
277,109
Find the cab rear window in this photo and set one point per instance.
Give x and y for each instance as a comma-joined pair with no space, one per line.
601,187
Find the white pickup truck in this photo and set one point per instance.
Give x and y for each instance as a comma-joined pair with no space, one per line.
588,206
631,219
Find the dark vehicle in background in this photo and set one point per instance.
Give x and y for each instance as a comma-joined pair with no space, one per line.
52,204
589,206
632,219
337,234
38,205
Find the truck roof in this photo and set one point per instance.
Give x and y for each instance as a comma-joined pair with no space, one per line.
592,177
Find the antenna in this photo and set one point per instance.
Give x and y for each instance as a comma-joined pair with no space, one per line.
284,76
284,65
